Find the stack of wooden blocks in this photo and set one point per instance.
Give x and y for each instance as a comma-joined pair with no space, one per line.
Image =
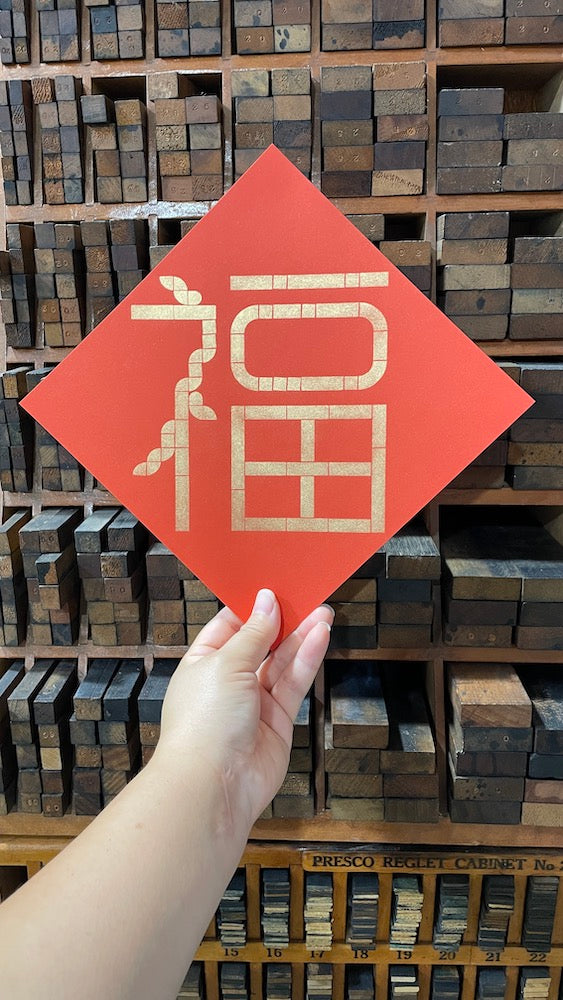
372,24
399,163
272,26
57,108
318,978
356,730
180,604
541,897
363,906
452,912
272,106
406,914
188,27
497,576
16,141
110,547
193,987
8,761
405,609
488,470
470,22
537,282
59,283
16,451
100,295
277,985
231,914
13,588
347,131
516,22
497,907
295,798
49,563
533,145
394,94
489,737
233,980
117,131
14,32
355,611
318,911
59,469
128,253
59,30
189,138
84,736
16,284
408,763
117,29
470,146
473,273
51,710
150,702
118,729
413,258
543,790
24,735
536,440
275,907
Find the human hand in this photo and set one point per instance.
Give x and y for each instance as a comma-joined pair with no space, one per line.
231,703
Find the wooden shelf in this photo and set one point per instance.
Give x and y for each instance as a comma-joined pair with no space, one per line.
341,953
23,831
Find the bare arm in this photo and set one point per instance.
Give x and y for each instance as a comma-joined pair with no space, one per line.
122,910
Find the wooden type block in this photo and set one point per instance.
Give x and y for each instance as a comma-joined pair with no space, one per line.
503,764
405,613
398,34
28,803
356,590
535,454
342,105
534,30
88,756
543,765
53,567
540,637
456,128
478,635
86,780
470,154
355,785
348,158
114,782
492,302
346,183
293,807
543,790
474,251
457,180
470,276
480,612
372,226
484,812
29,781
149,732
54,734
21,697
412,810
22,732
9,534
536,177
27,755
296,784
116,733
358,714
533,125
403,786
354,614
364,810
54,698
412,555
411,746
124,589
120,698
536,276
404,636
481,788
89,696
125,533
347,133
470,101
481,739
471,31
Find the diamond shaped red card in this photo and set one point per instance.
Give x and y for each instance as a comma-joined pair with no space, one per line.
275,399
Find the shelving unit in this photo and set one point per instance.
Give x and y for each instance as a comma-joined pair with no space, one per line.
30,841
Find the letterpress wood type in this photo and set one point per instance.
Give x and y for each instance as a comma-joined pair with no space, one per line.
120,699
358,714
88,699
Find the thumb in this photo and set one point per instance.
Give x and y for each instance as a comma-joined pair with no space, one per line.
249,647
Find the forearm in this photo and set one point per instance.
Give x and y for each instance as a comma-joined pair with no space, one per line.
131,897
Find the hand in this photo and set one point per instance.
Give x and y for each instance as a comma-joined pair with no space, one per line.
232,703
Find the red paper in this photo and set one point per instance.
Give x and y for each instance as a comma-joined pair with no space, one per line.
275,399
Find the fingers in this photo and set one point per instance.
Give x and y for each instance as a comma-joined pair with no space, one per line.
293,684
250,645
281,657
214,635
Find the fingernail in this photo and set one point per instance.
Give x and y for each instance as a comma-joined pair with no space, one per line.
329,608
326,624
265,602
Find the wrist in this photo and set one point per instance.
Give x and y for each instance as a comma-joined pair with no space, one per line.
210,792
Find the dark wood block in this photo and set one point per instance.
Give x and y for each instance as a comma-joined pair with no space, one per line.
483,812
120,699
21,697
412,810
88,698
